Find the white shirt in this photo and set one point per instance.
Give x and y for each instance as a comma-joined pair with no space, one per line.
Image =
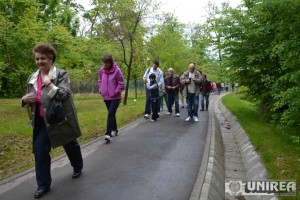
159,76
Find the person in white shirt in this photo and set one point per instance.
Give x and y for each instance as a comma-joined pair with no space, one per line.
160,81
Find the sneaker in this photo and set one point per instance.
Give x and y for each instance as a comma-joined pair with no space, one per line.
153,120
177,114
168,113
182,106
188,119
114,133
196,119
146,116
107,138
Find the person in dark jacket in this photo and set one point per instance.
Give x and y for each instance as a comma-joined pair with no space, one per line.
172,85
205,90
152,86
42,87
160,81
111,84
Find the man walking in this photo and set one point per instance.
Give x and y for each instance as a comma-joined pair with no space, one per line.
191,80
172,85
159,79
205,90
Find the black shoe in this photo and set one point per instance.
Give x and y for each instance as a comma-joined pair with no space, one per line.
76,175
40,192
202,110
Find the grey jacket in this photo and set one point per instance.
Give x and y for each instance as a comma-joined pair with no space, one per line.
185,77
67,130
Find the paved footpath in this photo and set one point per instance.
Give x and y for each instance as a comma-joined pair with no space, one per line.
147,161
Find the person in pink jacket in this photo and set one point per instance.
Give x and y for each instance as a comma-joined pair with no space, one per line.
111,84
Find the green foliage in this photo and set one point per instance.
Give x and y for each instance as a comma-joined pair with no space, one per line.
208,44
261,41
24,26
120,22
169,46
277,144
21,30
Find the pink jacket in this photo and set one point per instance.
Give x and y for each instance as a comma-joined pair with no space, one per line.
111,84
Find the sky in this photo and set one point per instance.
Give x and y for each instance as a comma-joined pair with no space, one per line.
186,11
192,11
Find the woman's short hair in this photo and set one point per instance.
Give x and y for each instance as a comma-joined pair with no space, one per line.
46,49
108,59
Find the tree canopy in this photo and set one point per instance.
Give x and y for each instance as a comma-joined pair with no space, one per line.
255,44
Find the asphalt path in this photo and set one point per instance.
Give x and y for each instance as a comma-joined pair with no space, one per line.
147,161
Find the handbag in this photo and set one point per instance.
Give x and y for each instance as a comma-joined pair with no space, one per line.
55,112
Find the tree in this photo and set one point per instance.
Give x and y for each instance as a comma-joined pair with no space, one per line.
169,45
121,22
22,27
261,41
64,12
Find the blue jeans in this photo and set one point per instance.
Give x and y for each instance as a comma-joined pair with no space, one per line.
112,106
41,150
206,97
171,99
192,102
161,103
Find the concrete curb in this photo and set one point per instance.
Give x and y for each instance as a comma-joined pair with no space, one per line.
254,168
210,182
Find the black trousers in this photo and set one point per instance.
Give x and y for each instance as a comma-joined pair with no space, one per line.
112,106
155,108
41,150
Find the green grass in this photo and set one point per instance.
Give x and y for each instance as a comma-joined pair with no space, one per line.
16,135
279,151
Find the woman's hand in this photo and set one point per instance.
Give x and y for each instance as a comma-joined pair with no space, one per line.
46,80
29,98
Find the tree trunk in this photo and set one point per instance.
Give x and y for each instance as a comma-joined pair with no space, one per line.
127,85
135,88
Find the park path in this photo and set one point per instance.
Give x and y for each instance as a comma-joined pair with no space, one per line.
147,160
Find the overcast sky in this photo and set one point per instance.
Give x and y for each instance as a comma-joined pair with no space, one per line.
187,11
192,11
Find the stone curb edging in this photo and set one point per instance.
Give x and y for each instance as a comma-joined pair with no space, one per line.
255,169
210,182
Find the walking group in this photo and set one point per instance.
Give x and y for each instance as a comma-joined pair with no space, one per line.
54,118
191,84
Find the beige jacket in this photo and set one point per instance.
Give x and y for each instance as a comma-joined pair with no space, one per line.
185,77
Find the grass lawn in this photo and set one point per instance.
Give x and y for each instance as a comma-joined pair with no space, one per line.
16,135
278,146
